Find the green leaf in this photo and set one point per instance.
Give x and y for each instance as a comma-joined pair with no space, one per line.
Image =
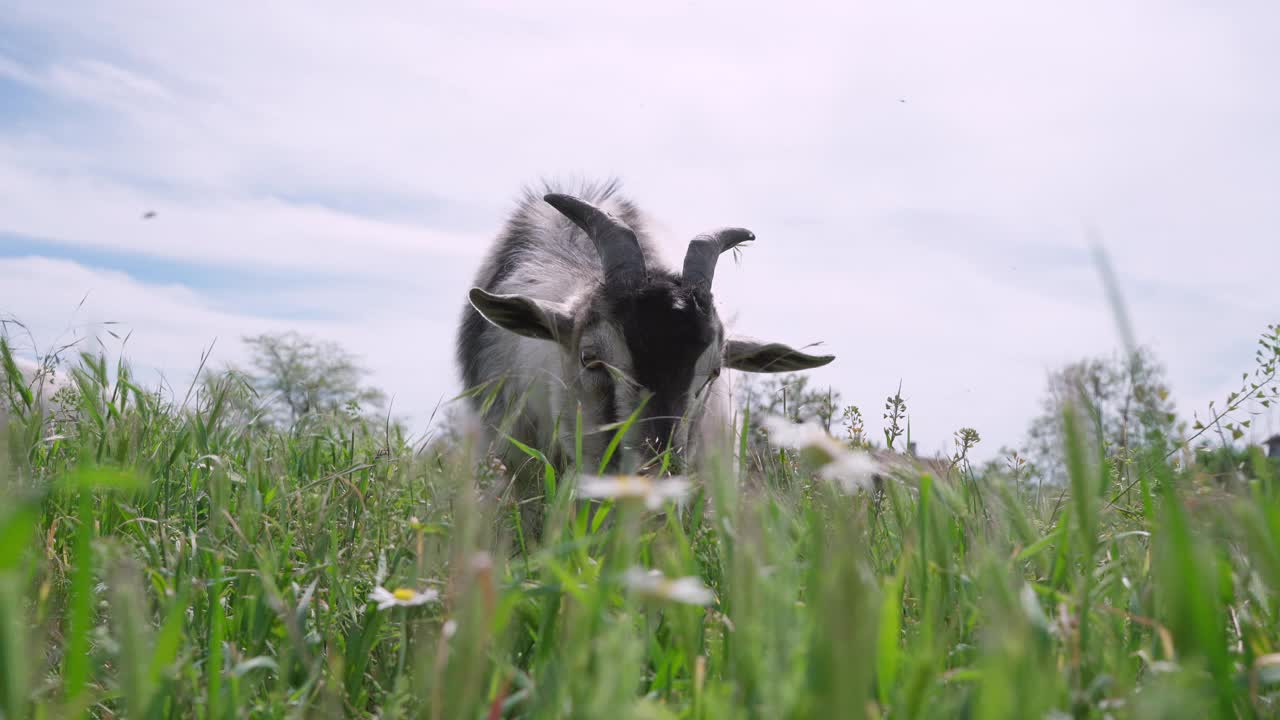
888,652
76,672
621,430
17,532
13,376
165,651
15,655
89,476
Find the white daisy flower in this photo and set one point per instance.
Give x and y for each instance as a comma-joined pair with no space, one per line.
808,438
850,469
635,487
401,597
651,583
481,562
1031,606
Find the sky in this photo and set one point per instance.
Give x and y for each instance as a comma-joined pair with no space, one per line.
925,179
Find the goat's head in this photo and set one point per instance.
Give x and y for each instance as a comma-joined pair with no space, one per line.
639,337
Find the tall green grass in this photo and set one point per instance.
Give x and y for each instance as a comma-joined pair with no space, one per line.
158,561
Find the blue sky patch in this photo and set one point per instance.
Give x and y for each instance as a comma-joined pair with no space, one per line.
154,270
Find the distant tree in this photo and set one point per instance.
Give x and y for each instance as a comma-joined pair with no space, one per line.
789,396
292,376
1123,405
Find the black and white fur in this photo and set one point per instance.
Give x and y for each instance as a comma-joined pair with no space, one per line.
543,321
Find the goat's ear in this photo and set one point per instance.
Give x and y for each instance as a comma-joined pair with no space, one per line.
752,356
523,315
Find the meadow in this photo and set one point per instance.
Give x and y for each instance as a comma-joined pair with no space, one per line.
162,555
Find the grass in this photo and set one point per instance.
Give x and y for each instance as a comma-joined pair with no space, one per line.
161,561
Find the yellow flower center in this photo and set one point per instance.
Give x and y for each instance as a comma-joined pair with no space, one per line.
404,594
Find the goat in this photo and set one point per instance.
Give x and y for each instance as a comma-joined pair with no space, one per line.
573,312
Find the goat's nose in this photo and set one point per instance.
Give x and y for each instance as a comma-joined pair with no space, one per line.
657,462
658,431
657,445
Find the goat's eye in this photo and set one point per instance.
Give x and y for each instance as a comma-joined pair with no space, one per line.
590,360
711,377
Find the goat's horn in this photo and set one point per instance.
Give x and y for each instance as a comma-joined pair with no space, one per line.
616,243
704,251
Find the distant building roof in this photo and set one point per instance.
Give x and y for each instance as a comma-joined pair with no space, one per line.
1273,446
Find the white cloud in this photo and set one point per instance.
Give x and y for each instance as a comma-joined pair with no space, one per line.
918,175
168,327
242,232
64,303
